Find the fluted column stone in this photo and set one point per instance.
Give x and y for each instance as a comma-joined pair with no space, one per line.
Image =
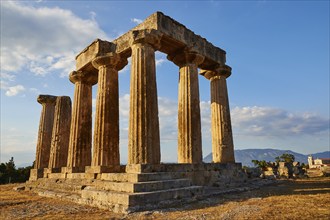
189,119
80,143
61,133
45,130
144,142
106,130
44,136
222,136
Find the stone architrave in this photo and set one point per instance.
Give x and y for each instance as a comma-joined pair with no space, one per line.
45,130
61,133
80,143
143,136
106,129
222,136
189,119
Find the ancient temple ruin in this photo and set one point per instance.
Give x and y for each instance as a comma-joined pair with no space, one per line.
67,168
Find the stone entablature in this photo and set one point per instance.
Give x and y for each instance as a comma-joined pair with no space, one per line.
173,36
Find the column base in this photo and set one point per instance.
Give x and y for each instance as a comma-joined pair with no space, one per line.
51,170
103,169
91,172
143,168
72,169
73,172
36,174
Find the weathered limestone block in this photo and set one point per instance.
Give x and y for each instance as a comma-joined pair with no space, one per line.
222,136
189,119
45,130
96,48
80,144
61,133
106,129
174,37
143,136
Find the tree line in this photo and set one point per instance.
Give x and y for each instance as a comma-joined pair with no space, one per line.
10,174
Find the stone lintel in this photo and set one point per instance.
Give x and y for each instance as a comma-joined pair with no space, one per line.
96,48
146,36
173,36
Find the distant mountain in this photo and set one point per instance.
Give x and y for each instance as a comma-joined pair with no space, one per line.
246,156
325,154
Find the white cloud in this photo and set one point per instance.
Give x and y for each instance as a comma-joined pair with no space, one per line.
14,90
136,20
92,15
18,143
124,106
168,118
3,84
42,39
160,61
6,76
94,103
266,121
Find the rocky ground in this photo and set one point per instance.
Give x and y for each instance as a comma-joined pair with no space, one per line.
289,199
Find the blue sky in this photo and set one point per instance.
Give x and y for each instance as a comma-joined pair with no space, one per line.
279,52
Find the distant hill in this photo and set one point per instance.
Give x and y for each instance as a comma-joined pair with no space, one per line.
246,156
325,154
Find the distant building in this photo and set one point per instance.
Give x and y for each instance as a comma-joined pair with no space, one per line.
318,163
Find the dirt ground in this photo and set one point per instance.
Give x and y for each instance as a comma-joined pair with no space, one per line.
290,199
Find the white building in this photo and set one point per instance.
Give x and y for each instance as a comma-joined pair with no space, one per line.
318,163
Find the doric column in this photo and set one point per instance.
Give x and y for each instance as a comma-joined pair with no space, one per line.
143,137
222,136
61,133
45,130
106,129
189,119
80,143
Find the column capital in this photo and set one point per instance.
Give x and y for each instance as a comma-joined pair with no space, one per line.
84,77
217,72
150,37
113,60
44,99
184,56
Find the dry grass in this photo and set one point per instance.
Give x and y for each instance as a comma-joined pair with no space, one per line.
300,199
